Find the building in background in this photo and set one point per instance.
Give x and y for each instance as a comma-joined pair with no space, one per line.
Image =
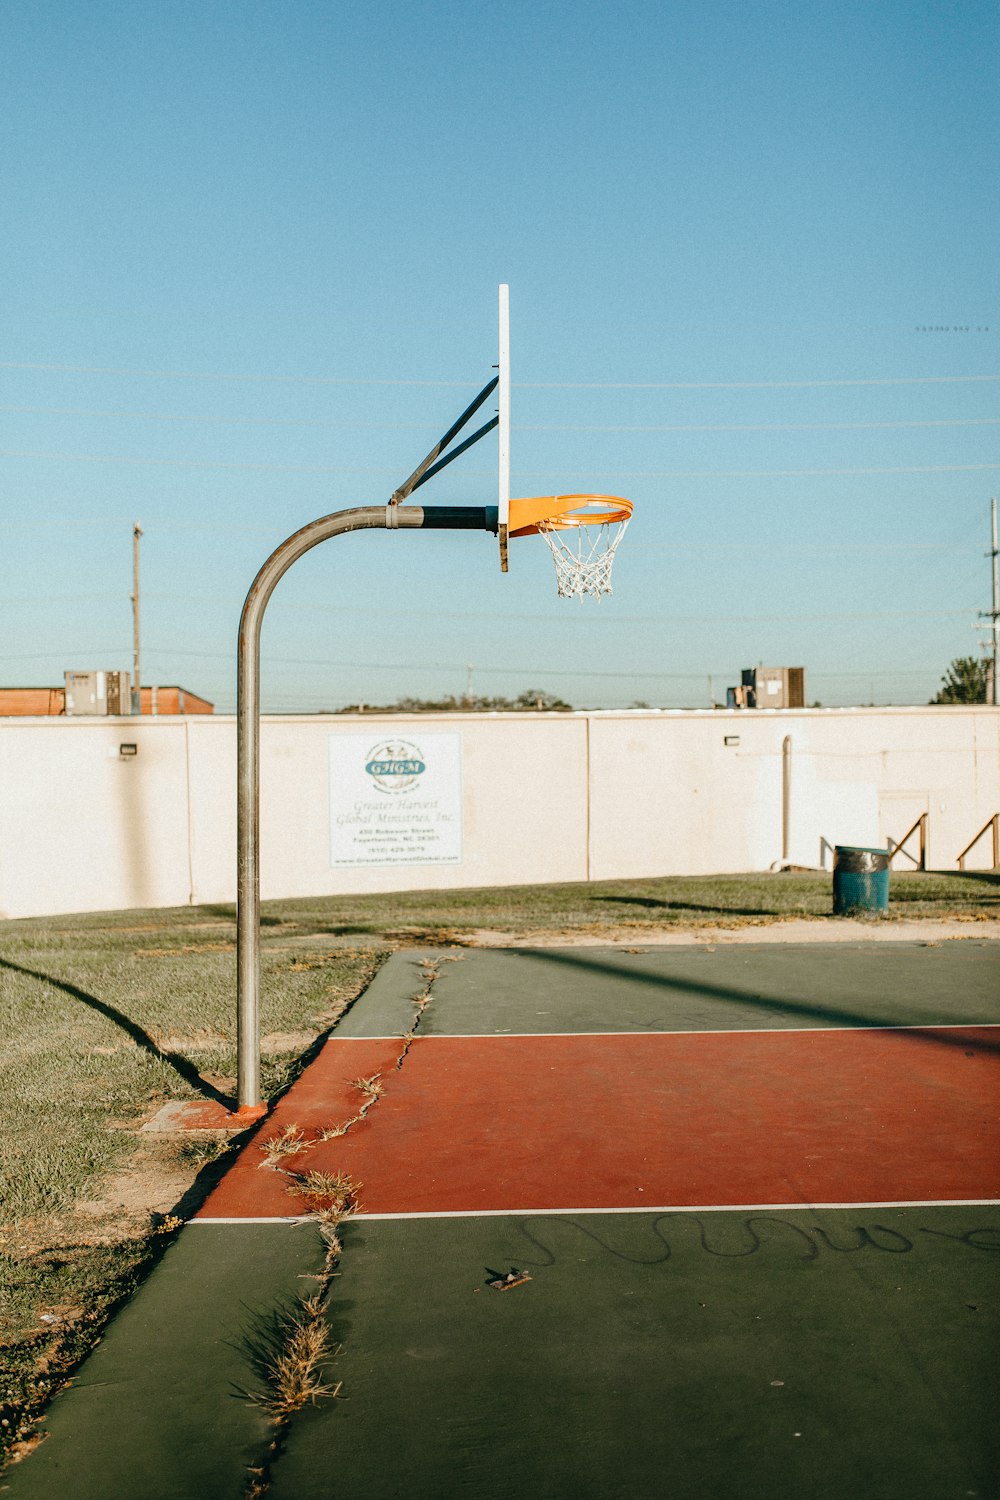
769,687
173,700
32,702
97,694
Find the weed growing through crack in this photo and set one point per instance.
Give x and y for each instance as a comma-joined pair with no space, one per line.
330,1193
371,1088
328,1218
292,1353
432,973
291,1358
292,1361
288,1143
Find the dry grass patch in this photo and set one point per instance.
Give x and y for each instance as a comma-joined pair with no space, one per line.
327,1193
292,1362
289,1143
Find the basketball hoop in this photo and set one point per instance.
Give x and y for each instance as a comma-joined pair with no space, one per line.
583,532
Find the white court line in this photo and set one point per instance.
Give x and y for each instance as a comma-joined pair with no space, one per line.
478,1036
668,1208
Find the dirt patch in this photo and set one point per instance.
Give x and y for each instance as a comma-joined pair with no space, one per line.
200,1041
179,948
748,930
152,1184
288,1041
128,1205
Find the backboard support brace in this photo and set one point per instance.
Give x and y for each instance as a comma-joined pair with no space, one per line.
434,462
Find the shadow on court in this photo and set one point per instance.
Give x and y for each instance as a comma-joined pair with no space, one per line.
802,1010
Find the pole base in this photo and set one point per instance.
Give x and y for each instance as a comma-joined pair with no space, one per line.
203,1114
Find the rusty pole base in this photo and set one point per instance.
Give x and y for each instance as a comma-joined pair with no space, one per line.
203,1114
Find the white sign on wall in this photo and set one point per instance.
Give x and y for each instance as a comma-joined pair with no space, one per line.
395,799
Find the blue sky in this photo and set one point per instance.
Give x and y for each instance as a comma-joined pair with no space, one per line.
250,261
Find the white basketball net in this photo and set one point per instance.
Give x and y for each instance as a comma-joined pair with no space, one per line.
583,556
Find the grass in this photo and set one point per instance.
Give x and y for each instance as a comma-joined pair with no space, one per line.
106,1016
288,1143
103,1019
291,1361
601,906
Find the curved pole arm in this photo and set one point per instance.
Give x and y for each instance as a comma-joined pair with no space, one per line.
392,517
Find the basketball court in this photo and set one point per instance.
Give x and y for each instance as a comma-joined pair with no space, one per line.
672,1221
685,1221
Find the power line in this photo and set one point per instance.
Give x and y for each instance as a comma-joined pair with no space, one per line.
666,619
824,547
101,598
232,604
113,523
196,463
323,422
407,667
546,385
671,619
80,652
220,375
759,426
560,474
762,473
165,416
743,385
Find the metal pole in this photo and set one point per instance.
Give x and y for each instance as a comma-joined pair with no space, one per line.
996,608
786,798
248,744
136,684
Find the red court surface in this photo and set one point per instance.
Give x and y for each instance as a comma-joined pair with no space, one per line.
641,1121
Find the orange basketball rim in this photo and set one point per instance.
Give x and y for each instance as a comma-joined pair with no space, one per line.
563,512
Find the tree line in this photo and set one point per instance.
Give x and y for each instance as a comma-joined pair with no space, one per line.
967,680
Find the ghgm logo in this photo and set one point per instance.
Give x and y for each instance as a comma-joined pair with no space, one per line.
395,765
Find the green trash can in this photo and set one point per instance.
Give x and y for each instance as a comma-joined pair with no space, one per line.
860,881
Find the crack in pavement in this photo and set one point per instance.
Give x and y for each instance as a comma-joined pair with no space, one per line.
291,1361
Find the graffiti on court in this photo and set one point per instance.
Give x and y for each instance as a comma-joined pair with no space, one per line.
740,1238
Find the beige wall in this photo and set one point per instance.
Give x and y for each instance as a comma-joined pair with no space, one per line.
545,798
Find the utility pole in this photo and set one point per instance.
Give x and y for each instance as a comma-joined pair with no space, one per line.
136,681
993,615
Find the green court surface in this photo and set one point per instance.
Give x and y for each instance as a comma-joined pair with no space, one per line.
701,1343
682,1355
743,986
